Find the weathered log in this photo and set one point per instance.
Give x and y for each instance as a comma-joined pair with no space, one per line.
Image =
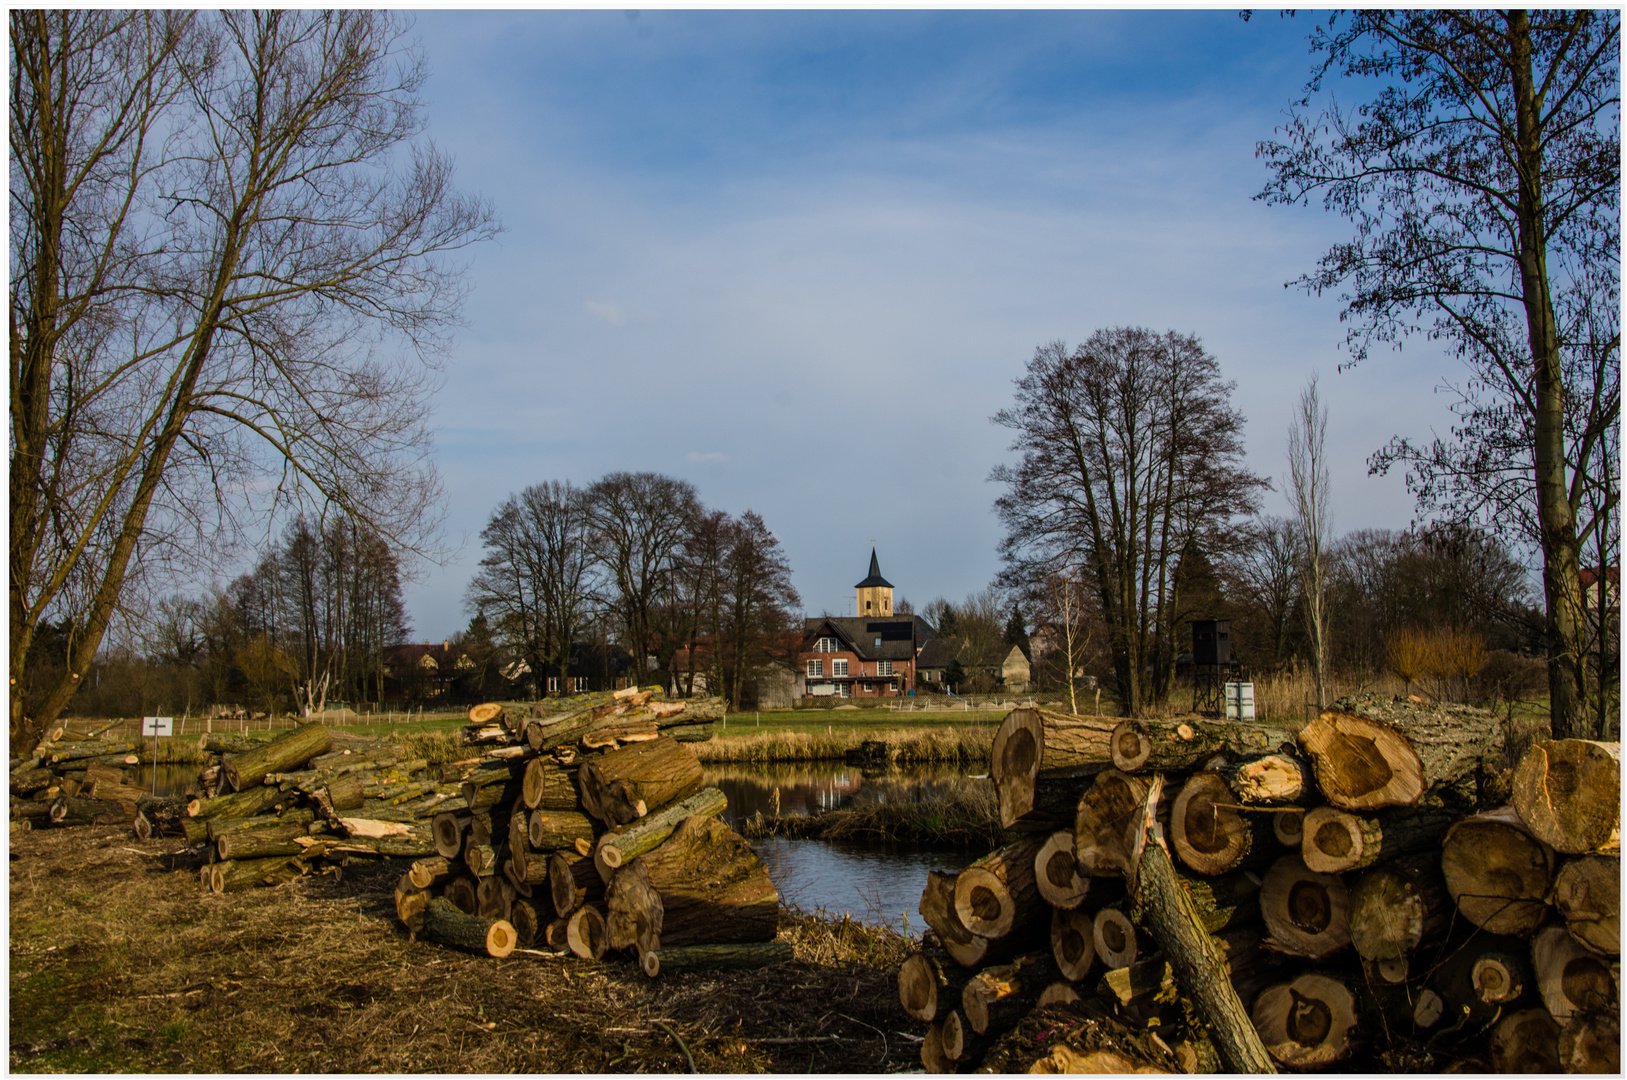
1306,914
1336,840
1571,978
345,792
1525,1042
1587,892
450,831
1073,942
1031,741
91,749
1113,938
1163,908
225,742
1056,872
1497,872
937,908
629,783
1568,793
1175,745
32,780
240,805
235,875
1396,906
1270,779
930,983
1591,1044
484,860
616,847
529,920
445,923
1500,978
549,786
736,957
998,890
933,1059
698,732
287,751
554,935
713,888
558,830
1058,993
1308,1022
410,901
493,897
218,827
261,843
464,892
634,914
489,712
1289,828
67,811
585,933
572,881
1103,828
1228,900
1209,835
160,816
430,872
34,813
961,1045
997,997
1370,754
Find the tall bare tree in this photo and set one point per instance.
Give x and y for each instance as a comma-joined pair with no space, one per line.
700,571
1262,573
1308,487
1483,175
1129,452
757,602
231,273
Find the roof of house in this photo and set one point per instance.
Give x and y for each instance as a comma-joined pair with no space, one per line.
896,638
875,580
936,654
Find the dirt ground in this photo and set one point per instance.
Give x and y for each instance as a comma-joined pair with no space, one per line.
120,963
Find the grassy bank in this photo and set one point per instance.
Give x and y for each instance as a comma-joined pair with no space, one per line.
956,745
119,964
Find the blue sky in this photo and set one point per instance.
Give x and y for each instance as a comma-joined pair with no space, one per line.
797,258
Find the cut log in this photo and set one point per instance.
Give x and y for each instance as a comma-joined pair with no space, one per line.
1570,978
1289,828
1497,872
961,1045
241,805
1209,835
90,750
548,786
998,890
1073,942
1591,1044
288,751
558,830
627,784
529,922
1568,793
713,888
554,935
1176,745
1455,745
445,923
585,933
261,843
1270,780
463,893
997,997
1306,914
1500,978
162,816
572,881
493,897
1525,1042
450,830
113,789
1031,741
1308,1022
1228,900
930,983
937,908
617,847
410,901
433,871
1336,840
933,1059
1395,907
74,811
1361,763
634,915
345,792
1163,908
1102,829
1587,892
1113,938
738,957
235,875
1056,872
1058,993
488,713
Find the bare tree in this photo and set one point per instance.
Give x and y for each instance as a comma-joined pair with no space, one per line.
536,582
231,275
757,601
700,571
1263,573
1483,177
1308,484
1064,609
1129,451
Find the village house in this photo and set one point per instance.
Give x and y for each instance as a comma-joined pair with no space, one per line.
870,655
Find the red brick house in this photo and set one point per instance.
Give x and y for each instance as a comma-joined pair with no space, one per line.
869,656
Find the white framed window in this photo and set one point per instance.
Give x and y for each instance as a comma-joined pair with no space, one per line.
884,667
816,669
869,689
827,644
847,689
838,667
553,684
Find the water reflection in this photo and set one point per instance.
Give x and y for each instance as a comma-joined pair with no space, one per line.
819,787
172,779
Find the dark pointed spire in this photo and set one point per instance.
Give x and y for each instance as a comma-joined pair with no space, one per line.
875,580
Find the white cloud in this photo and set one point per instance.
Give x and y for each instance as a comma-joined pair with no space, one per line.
609,311
709,457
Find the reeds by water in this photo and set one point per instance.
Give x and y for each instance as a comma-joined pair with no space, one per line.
962,746
962,812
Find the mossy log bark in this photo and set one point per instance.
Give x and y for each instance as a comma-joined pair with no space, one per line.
1568,793
1177,745
83,751
713,887
627,784
737,957
238,805
218,827
285,752
444,923
618,846
261,843
345,792
930,983
997,891
235,875
549,786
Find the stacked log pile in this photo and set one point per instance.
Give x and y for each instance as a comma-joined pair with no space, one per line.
1371,891
73,780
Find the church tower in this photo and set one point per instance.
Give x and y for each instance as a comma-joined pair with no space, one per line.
875,593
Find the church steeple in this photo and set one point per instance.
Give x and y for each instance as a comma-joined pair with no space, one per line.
874,593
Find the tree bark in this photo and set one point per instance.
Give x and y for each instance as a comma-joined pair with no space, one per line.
261,843
558,830
1587,892
618,846
67,812
241,805
1306,914
430,872
1308,1022
235,875
1497,872
713,888
1334,840
445,923
160,816
289,751
217,827
999,890
1568,793
483,860
929,984
736,957
345,792
629,783
1177,745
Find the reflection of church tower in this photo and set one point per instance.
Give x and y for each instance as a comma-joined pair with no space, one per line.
875,592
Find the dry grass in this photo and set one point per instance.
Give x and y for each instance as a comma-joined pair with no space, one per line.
962,746
119,964
434,747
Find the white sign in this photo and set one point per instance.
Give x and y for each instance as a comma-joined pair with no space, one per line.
1240,701
157,725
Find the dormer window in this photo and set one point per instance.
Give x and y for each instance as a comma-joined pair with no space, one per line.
827,644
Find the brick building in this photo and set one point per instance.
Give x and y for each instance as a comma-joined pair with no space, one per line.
871,655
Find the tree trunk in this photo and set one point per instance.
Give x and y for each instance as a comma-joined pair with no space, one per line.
445,923
1177,745
558,830
629,783
547,786
217,827
1334,841
235,875
713,888
572,881
1525,1042
1570,978
1211,837
999,890
261,843
585,933
1451,745
929,983
1223,902
1306,914
737,957
617,847
1587,892
433,871
285,752
1102,829
1056,872
345,792
997,997
1497,872
635,916
1030,742
410,901
242,805
1568,793
1308,1022
1396,906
